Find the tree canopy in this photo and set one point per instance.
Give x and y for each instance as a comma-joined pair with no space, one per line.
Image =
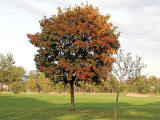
76,44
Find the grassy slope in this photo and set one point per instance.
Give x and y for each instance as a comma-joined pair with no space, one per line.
88,107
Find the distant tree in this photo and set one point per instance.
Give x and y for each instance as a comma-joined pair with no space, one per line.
32,82
76,44
15,76
143,85
124,68
15,73
59,87
16,87
6,61
45,84
154,83
113,82
37,82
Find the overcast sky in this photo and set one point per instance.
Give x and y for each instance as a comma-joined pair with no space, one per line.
138,22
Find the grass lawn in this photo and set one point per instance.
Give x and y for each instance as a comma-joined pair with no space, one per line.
88,107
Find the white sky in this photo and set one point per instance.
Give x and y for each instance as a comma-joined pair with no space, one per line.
138,22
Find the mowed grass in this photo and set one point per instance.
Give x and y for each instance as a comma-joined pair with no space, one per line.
88,107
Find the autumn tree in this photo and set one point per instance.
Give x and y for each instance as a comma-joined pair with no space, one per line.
124,68
76,45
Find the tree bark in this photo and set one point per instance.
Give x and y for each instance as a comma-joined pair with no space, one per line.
116,106
72,97
8,88
1,87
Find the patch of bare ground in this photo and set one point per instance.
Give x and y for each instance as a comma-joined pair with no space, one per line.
140,95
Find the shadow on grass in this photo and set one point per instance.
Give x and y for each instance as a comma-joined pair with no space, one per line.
25,108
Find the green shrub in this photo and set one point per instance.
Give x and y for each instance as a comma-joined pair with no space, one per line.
16,87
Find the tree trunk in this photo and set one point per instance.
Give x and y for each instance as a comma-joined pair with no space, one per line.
8,88
1,87
116,106
72,97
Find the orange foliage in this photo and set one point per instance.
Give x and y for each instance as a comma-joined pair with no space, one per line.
83,28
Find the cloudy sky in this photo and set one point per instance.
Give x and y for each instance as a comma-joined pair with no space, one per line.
138,22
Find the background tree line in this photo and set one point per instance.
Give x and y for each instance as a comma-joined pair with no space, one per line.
16,80
141,84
